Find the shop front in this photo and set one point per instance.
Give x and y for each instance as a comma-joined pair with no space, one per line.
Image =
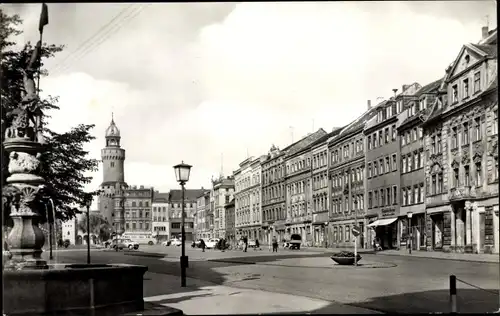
438,228
412,226
385,228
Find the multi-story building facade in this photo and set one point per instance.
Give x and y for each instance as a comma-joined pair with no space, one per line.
273,195
222,193
247,199
347,182
175,212
461,139
203,217
382,161
298,185
412,170
320,188
160,211
138,203
111,202
230,215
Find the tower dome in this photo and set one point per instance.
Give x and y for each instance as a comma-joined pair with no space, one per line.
112,130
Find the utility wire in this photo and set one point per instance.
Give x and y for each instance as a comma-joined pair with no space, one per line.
100,37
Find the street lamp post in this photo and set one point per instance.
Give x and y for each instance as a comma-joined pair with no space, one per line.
182,171
88,203
410,231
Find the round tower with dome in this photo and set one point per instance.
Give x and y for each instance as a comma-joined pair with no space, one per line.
112,199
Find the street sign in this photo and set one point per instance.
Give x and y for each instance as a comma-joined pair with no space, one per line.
356,231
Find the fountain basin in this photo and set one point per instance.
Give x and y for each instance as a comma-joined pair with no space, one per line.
69,289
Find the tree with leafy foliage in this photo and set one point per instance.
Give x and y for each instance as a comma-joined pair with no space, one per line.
99,226
64,161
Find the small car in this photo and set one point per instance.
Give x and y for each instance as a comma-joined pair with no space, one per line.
251,243
125,243
166,243
176,242
294,242
211,243
196,244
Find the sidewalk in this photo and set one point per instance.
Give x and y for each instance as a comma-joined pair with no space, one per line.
205,298
481,257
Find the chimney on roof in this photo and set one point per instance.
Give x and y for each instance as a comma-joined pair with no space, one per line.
484,32
395,92
369,104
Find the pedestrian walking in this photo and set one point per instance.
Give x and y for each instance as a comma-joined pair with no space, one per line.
275,244
223,244
245,242
202,245
257,244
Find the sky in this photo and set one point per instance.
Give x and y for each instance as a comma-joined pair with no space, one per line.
213,83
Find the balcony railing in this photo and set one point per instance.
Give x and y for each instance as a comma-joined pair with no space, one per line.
463,193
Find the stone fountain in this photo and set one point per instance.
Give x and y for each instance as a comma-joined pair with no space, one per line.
32,286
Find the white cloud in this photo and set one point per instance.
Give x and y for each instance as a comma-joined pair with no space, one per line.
264,68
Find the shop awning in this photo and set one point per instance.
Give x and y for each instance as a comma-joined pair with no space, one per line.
382,222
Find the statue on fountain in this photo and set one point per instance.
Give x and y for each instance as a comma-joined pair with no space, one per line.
22,194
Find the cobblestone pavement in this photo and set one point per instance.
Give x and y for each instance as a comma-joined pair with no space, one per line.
413,284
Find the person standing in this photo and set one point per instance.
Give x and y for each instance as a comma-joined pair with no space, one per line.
202,245
275,244
245,242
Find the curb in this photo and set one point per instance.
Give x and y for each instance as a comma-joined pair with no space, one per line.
451,259
231,261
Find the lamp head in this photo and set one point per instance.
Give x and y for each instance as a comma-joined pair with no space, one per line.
182,172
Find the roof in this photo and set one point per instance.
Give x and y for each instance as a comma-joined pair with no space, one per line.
230,204
372,121
490,50
325,138
112,130
431,87
305,142
190,194
160,197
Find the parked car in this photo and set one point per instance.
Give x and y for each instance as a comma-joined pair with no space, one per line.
251,243
125,243
108,243
166,243
196,244
294,242
211,243
176,242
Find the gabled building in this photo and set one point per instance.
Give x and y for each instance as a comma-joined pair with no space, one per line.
412,172
273,194
299,187
461,139
230,222
383,169
222,193
347,181
203,217
320,188
175,214
160,211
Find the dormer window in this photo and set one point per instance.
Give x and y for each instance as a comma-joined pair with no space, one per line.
421,104
477,82
466,88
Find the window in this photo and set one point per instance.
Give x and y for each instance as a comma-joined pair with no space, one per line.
421,193
408,137
421,159
409,193
415,195
455,177
176,225
404,164
388,195
403,141
380,138
394,132
494,123
454,95
381,166
394,162
434,184
340,233
465,134
440,182
477,82
386,134
112,164
370,202
476,130
382,197
454,139
466,88
387,164
405,197
415,160
479,178
438,143
466,176
420,133
394,195
410,163
375,169
375,199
